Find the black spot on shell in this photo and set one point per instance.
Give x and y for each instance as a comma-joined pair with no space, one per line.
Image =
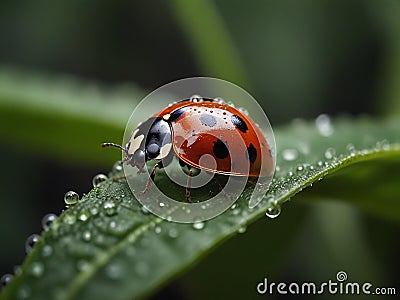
251,153
175,115
220,149
239,123
208,120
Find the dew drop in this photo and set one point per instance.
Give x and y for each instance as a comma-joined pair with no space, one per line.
300,168
157,230
351,149
145,210
273,211
36,269
196,98
98,179
17,270
86,236
47,250
330,153
324,125
69,219
5,279
290,154
382,145
242,229
94,211
161,204
114,271
219,100
82,265
113,225
71,198
24,292
117,167
30,242
173,233
84,216
199,225
47,220
236,211
109,208
277,168
304,148
243,110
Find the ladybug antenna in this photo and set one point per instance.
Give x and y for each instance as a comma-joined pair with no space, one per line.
116,146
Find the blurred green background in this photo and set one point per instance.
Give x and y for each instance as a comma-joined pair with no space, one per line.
297,58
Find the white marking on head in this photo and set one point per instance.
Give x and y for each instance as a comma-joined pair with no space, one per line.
166,117
164,151
135,142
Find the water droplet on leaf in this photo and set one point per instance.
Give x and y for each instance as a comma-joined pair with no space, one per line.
199,225
351,149
47,220
290,154
30,242
47,250
117,167
86,236
98,179
69,219
173,233
109,207
71,198
330,153
36,269
273,211
84,216
324,125
23,292
82,265
196,98
242,229
5,279
114,271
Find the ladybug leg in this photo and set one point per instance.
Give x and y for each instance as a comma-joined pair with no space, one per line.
118,178
190,171
152,176
188,187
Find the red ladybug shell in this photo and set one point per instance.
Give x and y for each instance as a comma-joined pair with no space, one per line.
216,137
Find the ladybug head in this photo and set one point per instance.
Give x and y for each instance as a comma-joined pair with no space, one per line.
150,140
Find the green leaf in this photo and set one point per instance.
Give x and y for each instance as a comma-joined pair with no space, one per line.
107,247
210,40
61,116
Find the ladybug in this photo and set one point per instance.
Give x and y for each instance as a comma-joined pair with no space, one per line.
203,133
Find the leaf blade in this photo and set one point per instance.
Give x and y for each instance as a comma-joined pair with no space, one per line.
146,252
